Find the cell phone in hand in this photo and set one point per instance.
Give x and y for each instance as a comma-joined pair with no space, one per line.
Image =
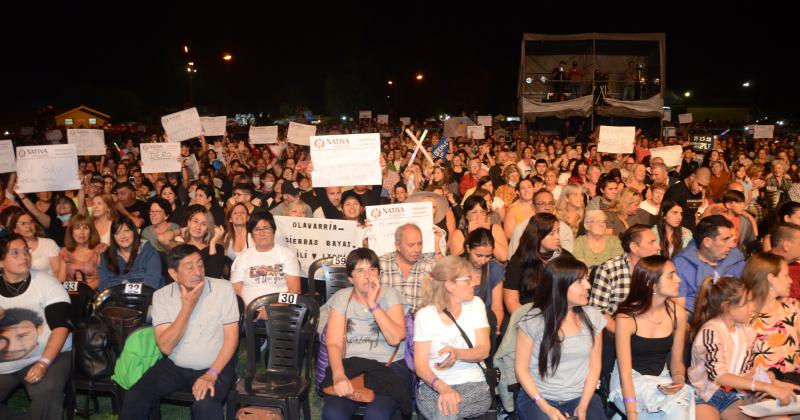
442,358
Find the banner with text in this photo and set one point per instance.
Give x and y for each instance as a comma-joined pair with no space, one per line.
300,133
160,157
47,168
88,142
264,135
183,125
342,160
616,139
386,219
213,126
312,239
7,161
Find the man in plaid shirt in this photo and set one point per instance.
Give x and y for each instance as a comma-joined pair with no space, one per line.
404,268
612,282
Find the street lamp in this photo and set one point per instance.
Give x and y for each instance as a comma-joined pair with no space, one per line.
227,57
419,76
746,84
390,83
687,94
186,49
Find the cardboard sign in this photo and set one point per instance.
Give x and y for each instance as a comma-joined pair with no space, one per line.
213,126
672,155
47,168
763,131
386,219
685,118
383,119
485,120
616,139
300,133
263,135
405,121
183,125
312,239
364,115
88,142
160,157
477,132
7,161
342,160
702,143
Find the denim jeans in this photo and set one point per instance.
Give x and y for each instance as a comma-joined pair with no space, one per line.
527,409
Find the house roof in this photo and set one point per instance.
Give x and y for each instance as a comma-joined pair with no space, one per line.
85,109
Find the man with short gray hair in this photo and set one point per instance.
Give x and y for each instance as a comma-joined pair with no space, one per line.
405,267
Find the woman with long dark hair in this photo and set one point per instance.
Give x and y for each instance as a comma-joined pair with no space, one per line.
539,244
559,351
487,273
476,216
649,380
128,258
670,234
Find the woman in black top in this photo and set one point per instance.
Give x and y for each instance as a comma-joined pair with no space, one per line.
650,336
200,231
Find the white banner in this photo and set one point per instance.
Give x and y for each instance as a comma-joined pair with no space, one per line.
616,139
763,131
383,119
47,168
160,157
667,115
477,132
299,133
386,219
685,118
364,115
183,125
88,142
213,126
342,160
405,121
263,135
53,135
485,120
312,239
672,155
7,161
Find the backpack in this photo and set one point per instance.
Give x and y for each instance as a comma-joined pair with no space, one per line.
94,355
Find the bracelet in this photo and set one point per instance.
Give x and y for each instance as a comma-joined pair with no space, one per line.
375,308
433,383
537,397
214,371
629,400
45,360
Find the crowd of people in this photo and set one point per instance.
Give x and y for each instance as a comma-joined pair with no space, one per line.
672,289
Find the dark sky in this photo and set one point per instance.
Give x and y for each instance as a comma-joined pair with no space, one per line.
129,62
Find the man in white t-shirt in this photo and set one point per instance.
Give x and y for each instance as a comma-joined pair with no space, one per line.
266,267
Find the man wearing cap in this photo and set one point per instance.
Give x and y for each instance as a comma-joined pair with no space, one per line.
405,267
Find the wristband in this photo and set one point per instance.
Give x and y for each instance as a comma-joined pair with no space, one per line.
45,360
537,397
214,371
433,383
629,400
375,308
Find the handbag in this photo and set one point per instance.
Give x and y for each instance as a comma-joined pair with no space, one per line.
491,374
259,413
361,393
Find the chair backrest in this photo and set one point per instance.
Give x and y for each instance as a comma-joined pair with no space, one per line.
287,323
137,296
81,297
334,274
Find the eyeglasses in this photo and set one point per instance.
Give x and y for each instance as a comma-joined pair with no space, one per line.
24,224
597,222
156,211
265,229
545,203
18,252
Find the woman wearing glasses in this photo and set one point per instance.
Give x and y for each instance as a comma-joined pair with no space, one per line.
265,267
595,246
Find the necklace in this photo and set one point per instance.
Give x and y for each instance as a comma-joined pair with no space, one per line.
16,290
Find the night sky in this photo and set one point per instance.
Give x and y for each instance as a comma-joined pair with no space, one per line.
129,62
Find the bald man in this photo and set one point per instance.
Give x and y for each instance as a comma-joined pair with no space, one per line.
689,195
